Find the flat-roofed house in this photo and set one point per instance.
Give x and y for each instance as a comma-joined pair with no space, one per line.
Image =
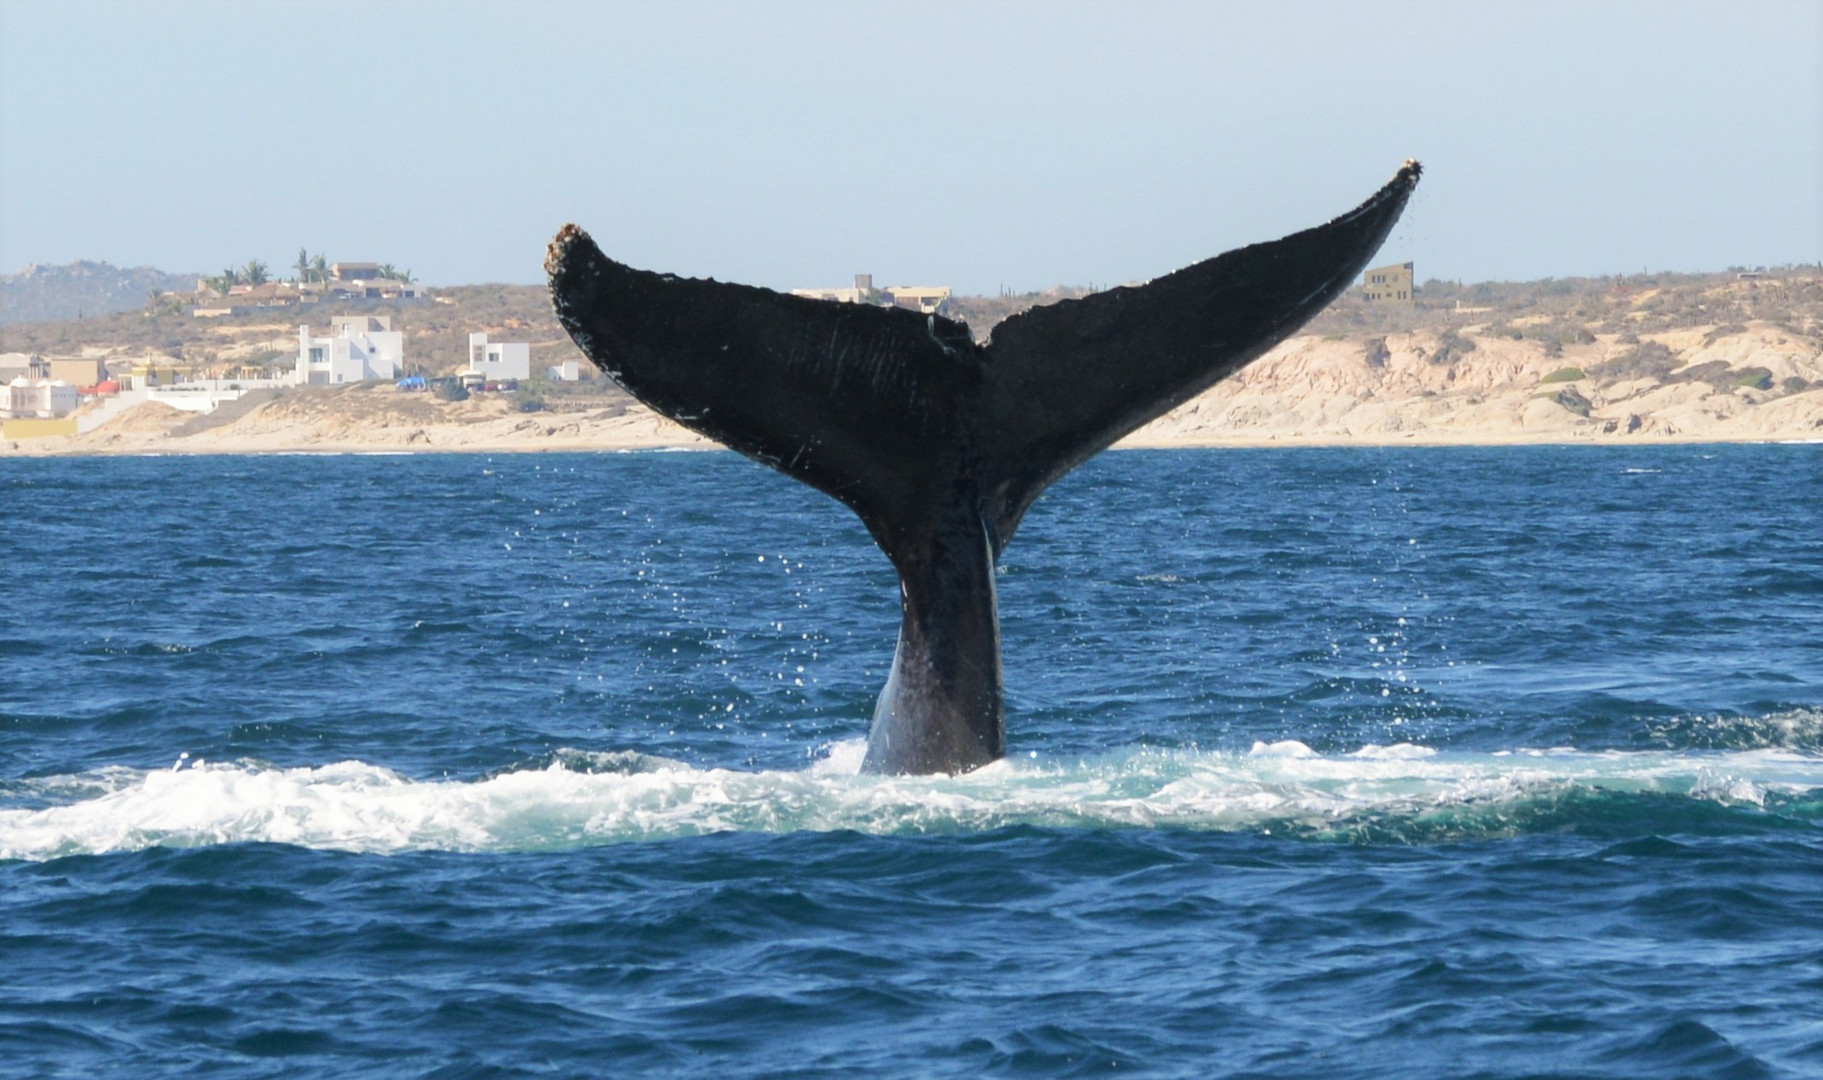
354,271
85,371
359,347
500,359
1391,283
925,298
861,293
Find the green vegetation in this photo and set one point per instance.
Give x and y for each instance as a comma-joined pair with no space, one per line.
311,267
1450,347
1757,378
1648,360
1570,399
1377,353
1564,374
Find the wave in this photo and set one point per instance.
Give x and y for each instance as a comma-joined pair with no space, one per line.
583,798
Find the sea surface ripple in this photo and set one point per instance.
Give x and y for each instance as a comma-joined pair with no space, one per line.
1329,763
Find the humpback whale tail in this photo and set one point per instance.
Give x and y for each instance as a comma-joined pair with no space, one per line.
939,444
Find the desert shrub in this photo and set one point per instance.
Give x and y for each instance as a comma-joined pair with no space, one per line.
1569,399
1564,374
451,390
1757,378
528,400
1649,360
1557,333
1721,332
1794,384
1377,353
1450,346
1716,373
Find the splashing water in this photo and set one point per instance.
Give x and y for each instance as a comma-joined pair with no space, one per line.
585,798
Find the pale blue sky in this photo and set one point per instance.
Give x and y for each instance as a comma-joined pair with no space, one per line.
972,145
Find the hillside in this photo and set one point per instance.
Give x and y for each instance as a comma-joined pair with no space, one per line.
81,290
1668,357
436,331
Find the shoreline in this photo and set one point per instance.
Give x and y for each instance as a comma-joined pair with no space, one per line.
1752,384
705,446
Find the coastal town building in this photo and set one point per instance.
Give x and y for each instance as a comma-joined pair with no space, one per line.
1391,283
359,347
353,271
375,289
498,360
861,293
242,299
568,371
41,398
368,281
18,365
78,371
925,298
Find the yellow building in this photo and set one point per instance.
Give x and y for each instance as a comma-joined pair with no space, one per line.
78,372
925,298
1390,283
36,429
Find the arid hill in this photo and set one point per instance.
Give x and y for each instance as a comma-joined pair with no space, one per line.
1668,357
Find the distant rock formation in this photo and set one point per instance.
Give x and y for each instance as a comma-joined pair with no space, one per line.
81,289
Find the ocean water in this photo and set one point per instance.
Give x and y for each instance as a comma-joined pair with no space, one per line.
1323,763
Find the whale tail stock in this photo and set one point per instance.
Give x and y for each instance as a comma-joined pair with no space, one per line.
938,443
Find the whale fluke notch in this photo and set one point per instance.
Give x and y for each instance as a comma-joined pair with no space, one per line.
937,443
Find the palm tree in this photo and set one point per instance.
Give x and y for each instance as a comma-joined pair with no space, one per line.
319,268
302,266
405,277
386,271
255,272
225,280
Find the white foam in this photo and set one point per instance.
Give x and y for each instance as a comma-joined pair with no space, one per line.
585,798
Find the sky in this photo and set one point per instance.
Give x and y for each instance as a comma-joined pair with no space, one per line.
981,145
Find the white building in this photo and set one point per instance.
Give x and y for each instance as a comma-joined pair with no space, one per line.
359,347
568,371
501,360
47,398
18,389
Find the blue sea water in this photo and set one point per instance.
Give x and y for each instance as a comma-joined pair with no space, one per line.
1324,763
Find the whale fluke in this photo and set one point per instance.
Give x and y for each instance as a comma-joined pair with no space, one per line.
940,445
